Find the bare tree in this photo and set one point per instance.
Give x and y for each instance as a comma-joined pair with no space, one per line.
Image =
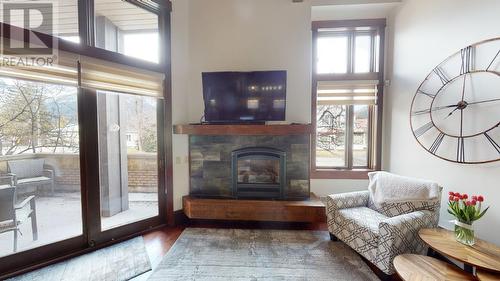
32,117
330,127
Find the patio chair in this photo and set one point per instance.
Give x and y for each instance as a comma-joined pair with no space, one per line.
31,172
12,215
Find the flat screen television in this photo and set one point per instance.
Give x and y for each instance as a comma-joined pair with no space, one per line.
244,97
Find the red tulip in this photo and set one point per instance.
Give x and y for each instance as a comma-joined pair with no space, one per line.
474,197
456,199
451,193
464,196
480,198
457,194
451,197
473,202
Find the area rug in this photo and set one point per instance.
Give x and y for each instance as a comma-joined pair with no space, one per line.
119,262
234,254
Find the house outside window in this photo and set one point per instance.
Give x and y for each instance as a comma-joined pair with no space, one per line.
347,97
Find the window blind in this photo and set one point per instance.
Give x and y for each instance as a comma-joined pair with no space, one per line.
347,92
108,76
63,70
94,74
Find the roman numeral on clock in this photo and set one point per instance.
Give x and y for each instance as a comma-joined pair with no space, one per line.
460,150
467,56
420,131
426,94
492,141
442,76
437,142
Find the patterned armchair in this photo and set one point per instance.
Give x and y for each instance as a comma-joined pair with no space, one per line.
380,234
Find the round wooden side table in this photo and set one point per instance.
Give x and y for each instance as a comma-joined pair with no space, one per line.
412,267
482,255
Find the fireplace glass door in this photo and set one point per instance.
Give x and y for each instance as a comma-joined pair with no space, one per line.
256,171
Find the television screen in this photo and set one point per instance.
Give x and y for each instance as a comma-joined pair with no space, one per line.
240,97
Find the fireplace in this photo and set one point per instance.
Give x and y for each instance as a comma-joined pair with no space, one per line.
258,172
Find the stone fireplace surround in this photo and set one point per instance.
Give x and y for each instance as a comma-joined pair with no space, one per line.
211,156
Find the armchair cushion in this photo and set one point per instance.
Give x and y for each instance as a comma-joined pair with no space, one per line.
359,223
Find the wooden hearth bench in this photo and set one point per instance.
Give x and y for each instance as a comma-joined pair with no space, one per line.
310,211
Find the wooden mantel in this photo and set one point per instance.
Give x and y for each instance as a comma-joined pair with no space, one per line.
242,130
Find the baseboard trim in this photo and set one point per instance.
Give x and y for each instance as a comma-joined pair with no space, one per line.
180,219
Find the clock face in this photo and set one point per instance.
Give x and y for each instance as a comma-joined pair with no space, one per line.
455,113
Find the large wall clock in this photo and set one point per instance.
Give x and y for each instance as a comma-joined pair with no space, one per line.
455,113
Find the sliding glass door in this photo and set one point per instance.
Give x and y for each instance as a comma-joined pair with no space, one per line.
128,158
40,190
83,143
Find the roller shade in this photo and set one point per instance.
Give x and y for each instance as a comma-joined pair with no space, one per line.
346,92
62,70
107,76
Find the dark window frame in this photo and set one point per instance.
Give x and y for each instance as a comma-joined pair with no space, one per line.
375,112
91,240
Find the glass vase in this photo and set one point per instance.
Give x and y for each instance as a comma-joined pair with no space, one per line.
464,233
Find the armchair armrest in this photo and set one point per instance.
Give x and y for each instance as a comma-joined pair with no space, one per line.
399,235
347,200
25,202
411,221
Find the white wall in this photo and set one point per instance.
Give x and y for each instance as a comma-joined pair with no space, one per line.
348,12
425,32
180,68
244,35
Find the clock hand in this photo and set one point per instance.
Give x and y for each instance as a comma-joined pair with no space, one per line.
420,112
453,111
483,101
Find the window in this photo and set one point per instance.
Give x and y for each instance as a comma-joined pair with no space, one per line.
64,18
126,28
347,97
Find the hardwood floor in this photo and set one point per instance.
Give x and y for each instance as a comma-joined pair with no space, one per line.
160,241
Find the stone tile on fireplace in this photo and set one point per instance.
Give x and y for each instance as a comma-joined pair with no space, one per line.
216,169
211,162
206,153
299,152
298,187
196,168
211,187
297,170
195,154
